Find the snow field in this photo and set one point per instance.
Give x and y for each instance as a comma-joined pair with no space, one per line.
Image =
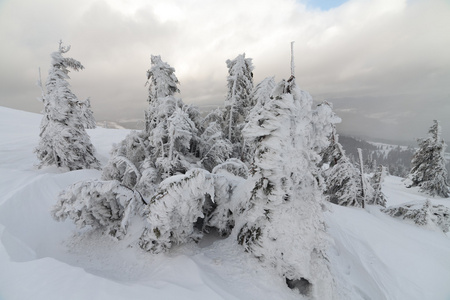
372,256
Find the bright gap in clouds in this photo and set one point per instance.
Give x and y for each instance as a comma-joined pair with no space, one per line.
168,11
323,4
165,11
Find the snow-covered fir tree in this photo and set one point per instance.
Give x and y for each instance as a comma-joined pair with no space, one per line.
239,101
428,169
63,138
282,222
162,82
169,125
260,95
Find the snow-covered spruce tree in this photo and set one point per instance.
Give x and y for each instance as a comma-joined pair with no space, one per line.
230,180
103,205
169,143
63,138
342,178
282,224
428,169
260,96
171,125
376,182
262,92
174,210
215,148
162,83
239,101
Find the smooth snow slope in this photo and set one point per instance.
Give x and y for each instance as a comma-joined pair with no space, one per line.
372,255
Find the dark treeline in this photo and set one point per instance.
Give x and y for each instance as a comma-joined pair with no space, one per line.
397,159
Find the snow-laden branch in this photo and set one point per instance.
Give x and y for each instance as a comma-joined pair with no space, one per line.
119,159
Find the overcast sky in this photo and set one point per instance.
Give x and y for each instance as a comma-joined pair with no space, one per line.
384,64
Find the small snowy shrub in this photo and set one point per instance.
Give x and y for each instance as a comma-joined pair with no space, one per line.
104,205
422,213
173,212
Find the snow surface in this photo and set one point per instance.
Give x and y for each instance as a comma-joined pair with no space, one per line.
372,256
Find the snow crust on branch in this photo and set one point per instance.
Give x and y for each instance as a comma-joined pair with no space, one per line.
130,167
233,166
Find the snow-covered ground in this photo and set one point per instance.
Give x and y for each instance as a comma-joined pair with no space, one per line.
372,255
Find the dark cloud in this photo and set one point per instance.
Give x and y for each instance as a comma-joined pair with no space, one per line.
384,64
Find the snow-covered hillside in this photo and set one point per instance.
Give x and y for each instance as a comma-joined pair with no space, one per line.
372,255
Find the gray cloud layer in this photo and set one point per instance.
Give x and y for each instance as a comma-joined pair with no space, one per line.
384,64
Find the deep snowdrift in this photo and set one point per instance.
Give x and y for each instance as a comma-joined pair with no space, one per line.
372,255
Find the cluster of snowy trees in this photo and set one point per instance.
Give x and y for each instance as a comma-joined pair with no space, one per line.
257,170
346,183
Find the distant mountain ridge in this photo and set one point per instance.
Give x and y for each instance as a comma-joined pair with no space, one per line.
124,124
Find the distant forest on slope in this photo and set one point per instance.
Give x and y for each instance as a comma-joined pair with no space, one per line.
396,158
